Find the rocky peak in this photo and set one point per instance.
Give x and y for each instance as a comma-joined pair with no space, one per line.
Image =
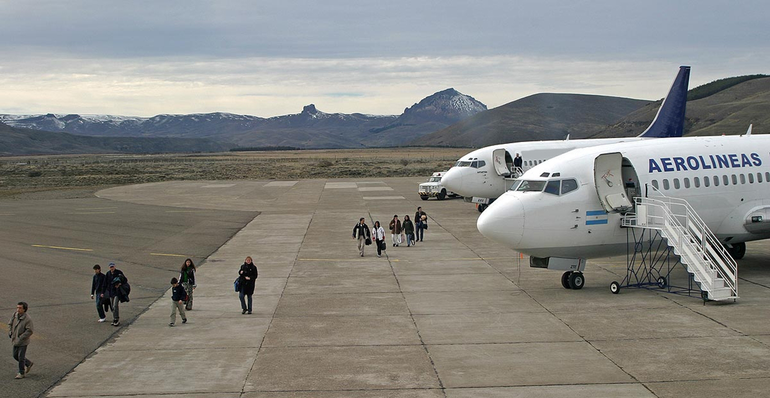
309,109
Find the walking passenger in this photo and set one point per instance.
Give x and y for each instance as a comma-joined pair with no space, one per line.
362,234
113,280
97,288
187,279
379,237
177,301
247,280
395,230
408,227
19,330
421,222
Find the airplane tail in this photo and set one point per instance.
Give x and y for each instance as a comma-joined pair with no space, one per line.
669,122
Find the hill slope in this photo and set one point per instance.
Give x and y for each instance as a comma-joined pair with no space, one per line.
16,141
537,117
729,111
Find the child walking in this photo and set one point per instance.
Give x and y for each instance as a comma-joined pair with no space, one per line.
177,301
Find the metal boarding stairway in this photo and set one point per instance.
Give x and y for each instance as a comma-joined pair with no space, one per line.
700,252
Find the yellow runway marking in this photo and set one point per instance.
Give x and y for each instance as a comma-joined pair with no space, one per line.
167,255
63,248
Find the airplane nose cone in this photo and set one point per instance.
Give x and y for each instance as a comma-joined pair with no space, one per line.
453,181
503,221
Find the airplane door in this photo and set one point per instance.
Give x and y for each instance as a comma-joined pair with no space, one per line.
498,158
608,178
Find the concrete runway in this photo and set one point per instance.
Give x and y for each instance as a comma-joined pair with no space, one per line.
455,316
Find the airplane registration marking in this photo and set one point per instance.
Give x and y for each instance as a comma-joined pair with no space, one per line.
63,248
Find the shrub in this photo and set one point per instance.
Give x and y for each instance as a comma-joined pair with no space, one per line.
35,173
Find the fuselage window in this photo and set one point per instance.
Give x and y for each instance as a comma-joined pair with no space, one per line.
666,185
725,180
568,186
735,179
743,178
552,187
655,184
759,177
531,186
751,178
706,182
696,181
716,181
767,176
676,183
686,182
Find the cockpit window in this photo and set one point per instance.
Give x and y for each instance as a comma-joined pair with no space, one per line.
463,163
482,163
531,186
552,187
515,185
475,164
568,186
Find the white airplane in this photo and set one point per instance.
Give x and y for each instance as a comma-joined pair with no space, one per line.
486,173
572,207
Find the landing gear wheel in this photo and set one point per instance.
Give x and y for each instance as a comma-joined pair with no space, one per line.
481,207
441,195
738,250
615,287
424,197
662,282
576,280
565,279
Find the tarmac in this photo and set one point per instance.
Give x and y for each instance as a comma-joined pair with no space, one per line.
454,316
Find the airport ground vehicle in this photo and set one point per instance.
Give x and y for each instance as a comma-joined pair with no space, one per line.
433,187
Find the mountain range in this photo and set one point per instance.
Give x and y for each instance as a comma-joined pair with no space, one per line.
446,118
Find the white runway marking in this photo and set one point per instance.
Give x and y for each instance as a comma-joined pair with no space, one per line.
280,184
332,185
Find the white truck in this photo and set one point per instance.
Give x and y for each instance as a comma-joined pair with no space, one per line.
434,188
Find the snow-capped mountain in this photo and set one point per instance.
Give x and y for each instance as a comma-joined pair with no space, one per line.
310,128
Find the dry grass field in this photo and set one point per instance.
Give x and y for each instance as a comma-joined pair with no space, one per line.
26,174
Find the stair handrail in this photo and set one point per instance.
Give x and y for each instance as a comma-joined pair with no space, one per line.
724,264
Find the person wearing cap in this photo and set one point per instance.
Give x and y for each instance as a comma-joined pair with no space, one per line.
112,281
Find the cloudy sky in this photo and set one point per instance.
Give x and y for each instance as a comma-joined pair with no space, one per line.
268,58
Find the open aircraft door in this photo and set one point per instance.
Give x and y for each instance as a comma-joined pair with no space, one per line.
608,178
502,159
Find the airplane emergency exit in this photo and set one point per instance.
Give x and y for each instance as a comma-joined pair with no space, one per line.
485,174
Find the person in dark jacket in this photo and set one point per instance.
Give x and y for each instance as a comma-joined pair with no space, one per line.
187,280
421,222
177,301
361,233
97,288
19,330
247,279
408,227
113,279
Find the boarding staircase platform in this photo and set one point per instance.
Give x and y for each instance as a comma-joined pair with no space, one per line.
674,221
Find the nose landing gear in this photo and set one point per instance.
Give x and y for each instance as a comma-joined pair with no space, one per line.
573,280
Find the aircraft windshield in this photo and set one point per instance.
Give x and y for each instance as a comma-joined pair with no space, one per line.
463,163
531,186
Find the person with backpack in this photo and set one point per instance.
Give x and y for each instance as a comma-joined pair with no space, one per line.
247,279
114,288
187,280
